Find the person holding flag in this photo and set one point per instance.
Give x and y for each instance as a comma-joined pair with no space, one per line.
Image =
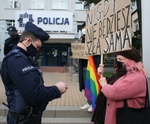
128,82
82,72
88,76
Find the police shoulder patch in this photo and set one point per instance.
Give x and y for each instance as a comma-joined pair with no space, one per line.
28,69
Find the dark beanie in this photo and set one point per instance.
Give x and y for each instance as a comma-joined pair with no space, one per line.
132,54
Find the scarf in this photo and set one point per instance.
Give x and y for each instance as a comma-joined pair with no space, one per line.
99,112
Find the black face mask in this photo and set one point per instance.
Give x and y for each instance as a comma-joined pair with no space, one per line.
119,64
13,36
32,50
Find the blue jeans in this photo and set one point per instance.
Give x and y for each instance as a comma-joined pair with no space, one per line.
89,102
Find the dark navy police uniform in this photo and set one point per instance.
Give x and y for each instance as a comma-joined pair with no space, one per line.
27,96
10,42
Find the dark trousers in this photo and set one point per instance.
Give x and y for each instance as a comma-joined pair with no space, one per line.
11,119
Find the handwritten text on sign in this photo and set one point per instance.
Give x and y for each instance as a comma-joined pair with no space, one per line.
78,50
108,27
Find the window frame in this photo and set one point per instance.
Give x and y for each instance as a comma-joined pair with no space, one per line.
136,23
77,2
13,4
59,5
36,3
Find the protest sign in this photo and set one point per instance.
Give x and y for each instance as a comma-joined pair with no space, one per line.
77,50
108,27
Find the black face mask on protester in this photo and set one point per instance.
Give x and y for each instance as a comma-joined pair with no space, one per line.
119,64
32,50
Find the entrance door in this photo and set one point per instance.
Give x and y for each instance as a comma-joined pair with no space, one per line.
52,57
63,57
48,61
55,55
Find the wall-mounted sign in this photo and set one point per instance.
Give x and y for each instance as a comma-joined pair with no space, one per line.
47,20
108,27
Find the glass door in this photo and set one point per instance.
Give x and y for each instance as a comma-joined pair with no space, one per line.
52,57
63,57
48,61
55,57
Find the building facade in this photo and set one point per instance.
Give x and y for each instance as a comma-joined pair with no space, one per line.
55,51
55,13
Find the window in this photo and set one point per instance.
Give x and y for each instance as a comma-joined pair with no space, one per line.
136,23
133,6
36,4
79,5
60,4
13,4
10,23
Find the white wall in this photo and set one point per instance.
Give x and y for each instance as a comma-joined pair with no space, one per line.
3,36
146,34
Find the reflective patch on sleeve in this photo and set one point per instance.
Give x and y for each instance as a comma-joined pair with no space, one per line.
27,69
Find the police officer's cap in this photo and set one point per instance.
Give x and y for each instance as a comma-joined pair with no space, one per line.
37,31
11,30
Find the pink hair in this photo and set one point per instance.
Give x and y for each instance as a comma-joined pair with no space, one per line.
133,66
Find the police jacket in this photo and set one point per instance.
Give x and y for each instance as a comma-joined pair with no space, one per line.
23,82
9,43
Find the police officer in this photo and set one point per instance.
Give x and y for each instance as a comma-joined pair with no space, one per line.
27,96
12,40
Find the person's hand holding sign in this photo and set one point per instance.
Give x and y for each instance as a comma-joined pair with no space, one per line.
100,71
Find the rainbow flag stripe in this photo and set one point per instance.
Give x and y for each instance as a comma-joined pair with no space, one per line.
92,86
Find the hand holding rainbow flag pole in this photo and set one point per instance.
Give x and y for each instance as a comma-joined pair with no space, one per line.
92,86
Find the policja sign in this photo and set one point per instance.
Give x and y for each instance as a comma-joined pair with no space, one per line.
47,20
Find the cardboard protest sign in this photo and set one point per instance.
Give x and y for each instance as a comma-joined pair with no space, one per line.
108,27
77,50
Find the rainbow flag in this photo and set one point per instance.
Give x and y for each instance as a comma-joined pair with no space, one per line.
92,86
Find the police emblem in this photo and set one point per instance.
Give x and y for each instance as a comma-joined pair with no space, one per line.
24,16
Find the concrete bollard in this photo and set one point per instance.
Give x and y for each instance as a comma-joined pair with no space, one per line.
75,77
71,70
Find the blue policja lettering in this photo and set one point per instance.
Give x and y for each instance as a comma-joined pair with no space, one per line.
57,20
50,21
66,21
45,21
54,21
39,20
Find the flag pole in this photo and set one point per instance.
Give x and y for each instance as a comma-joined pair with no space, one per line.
101,63
101,58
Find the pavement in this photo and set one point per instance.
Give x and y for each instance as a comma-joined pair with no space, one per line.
73,97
